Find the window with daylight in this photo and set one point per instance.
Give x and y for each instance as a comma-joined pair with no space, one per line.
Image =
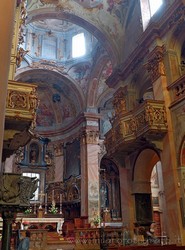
36,195
154,6
78,45
148,9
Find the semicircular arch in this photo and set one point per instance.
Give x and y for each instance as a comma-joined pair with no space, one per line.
144,164
102,37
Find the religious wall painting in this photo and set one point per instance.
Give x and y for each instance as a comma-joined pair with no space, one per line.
105,122
154,178
104,195
90,4
72,159
93,190
106,72
143,207
80,73
34,153
110,187
44,117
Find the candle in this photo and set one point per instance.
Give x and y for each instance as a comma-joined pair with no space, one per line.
60,198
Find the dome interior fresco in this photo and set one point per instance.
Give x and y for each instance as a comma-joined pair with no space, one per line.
67,85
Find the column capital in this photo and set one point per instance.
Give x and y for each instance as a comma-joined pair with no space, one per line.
90,137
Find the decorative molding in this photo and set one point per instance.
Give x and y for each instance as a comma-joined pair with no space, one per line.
22,101
149,121
92,123
90,137
119,102
16,191
49,65
155,65
178,17
58,149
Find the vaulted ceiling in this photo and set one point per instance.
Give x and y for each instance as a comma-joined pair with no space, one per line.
68,86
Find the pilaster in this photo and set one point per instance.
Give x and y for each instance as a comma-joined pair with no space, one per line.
7,13
158,65
90,205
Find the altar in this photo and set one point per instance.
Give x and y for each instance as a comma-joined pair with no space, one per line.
51,224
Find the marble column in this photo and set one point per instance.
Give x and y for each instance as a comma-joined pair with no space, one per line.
7,13
90,204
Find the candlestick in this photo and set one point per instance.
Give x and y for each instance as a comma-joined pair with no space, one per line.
53,195
46,199
45,204
60,203
35,208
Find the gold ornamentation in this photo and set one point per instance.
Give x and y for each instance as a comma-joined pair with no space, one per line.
20,55
23,16
119,102
155,65
149,121
17,100
178,17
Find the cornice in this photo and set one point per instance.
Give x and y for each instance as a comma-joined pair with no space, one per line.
153,31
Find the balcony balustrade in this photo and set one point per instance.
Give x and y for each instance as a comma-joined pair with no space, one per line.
129,129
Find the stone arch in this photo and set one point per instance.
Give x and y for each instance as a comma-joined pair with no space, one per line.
143,167
52,14
110,196
144,163
176,47
25,74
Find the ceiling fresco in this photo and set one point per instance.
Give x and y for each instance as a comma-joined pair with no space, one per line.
68,86
108,16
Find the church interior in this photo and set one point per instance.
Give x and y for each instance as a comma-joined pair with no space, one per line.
93,112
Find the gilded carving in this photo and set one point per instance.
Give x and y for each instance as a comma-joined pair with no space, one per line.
119,102
23,16
149,118
17,100
22,101
20,55
178,17
133,125
149,114
155,65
